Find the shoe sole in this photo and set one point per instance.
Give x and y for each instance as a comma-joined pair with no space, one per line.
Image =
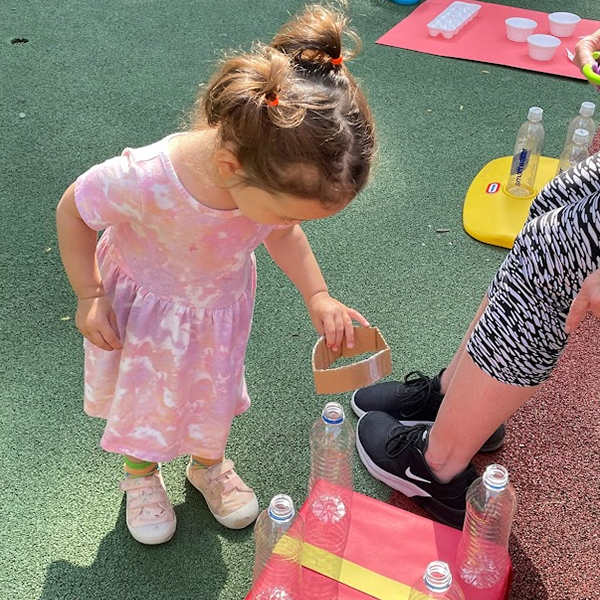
239,519
442,513
485,448
357,411
152,541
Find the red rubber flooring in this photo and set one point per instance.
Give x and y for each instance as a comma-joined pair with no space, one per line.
552,452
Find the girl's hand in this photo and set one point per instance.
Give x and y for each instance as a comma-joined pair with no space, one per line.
97,321
333,319
587,299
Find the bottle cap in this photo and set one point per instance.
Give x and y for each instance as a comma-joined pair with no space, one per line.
581,136
587,109
535,114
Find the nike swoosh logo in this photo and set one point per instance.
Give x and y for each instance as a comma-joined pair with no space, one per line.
415,477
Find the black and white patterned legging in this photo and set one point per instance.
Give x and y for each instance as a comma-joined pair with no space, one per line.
521,335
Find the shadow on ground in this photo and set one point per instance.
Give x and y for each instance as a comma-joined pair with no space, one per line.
123,568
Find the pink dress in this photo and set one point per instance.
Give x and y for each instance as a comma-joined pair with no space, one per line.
182,280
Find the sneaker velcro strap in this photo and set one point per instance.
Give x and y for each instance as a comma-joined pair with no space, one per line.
232,483
151,515
132,483
154,497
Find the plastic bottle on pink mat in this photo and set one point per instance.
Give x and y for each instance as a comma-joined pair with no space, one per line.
482,556
279,539
330,490
526,156
575,151
437,584
330,481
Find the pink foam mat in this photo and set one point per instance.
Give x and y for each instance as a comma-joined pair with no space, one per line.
484,38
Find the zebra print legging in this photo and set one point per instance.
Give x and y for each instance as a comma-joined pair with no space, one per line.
521,335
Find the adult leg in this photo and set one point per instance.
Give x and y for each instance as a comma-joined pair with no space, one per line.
419,397
513,347
474,406
449,372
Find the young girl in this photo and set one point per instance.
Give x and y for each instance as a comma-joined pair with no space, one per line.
282,135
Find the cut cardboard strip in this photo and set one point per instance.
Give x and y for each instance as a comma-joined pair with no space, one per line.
484,38
360,374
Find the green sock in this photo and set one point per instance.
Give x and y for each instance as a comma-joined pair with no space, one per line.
198,462
139,469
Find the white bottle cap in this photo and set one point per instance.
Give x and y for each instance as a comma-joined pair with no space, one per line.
535,114
587,109
581,136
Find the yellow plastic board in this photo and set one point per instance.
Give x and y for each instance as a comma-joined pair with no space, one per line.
490,214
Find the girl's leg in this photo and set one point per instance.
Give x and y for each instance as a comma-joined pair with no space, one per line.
150,516
229,499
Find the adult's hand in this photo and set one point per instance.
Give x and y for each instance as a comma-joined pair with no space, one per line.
587,299
584,48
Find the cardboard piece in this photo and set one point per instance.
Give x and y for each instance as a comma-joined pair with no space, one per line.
386,549
360,374
484,38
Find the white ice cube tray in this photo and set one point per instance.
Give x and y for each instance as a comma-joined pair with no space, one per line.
452,19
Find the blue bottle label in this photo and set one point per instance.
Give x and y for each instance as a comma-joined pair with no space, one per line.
519,164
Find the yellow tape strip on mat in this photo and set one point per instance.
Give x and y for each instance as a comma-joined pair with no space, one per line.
353,575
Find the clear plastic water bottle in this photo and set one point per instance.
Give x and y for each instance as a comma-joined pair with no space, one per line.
436,583
330,494
279,539
482,554
526,157
575,151
331,461
584,120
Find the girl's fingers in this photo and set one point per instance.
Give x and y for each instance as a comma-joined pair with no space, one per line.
97,339
348,331
329,328
358,317
339,333
115,341
110,337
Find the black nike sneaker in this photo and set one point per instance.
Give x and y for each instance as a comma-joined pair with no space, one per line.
416,400
395,454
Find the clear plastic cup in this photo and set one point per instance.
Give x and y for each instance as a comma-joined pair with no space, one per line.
563,24
542,46
518,29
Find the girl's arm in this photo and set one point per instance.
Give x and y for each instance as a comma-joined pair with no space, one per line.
95,318
290,249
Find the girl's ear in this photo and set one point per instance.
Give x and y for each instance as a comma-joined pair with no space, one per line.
227,164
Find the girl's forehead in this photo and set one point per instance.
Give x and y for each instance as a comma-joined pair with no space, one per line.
304,209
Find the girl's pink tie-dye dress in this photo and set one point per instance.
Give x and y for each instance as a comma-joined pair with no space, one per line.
182,279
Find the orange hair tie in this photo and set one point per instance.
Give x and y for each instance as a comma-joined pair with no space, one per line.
274,101
337,61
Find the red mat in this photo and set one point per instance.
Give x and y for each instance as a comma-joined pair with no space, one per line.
484,38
